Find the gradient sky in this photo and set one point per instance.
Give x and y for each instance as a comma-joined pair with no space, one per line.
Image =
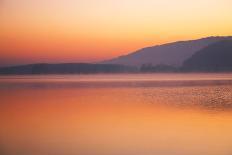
33,31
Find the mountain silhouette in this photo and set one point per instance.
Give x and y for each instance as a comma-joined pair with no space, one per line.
213,58
212,54
171,54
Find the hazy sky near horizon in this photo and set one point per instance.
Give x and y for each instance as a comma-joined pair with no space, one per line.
34,31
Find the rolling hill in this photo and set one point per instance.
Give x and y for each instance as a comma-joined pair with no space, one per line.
172,54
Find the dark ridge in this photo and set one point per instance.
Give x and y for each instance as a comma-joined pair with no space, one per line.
214,58
66,68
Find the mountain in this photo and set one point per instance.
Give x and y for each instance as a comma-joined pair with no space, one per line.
171,54
66,68
213,58
210,54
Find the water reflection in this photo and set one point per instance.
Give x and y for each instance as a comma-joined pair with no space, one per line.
143,115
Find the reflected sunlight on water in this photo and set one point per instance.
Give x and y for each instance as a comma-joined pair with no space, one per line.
162,114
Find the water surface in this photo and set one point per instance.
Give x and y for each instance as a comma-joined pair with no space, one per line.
120,114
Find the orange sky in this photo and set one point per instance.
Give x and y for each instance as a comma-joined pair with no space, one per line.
34,31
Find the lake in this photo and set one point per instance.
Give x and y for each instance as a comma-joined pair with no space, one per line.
116,114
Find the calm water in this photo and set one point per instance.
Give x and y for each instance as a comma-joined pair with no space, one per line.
151,114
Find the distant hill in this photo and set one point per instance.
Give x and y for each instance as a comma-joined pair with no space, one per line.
171,54
211,54
213,58
66,68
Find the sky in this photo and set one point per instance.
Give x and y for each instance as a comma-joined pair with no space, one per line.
55,31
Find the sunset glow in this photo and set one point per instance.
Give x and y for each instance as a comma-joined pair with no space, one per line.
52,31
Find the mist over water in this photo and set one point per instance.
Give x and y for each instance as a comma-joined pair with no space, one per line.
120,114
